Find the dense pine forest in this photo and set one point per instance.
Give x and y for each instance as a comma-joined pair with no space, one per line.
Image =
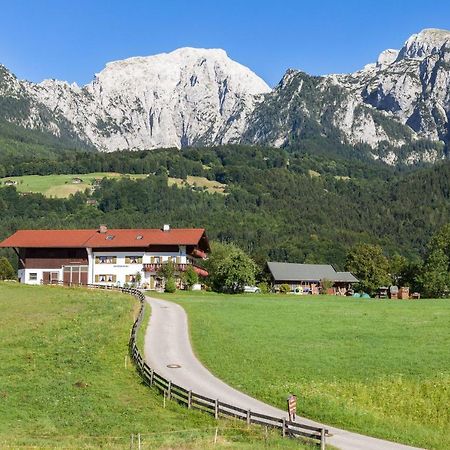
289,204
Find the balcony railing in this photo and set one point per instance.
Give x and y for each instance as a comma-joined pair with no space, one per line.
154,267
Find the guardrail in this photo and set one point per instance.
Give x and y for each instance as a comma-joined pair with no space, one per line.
212,406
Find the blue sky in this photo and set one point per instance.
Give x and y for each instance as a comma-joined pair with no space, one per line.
72,40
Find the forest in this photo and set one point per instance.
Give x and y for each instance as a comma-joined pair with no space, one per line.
279,204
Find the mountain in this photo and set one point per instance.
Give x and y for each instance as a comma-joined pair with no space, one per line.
396,110
400,99
183,98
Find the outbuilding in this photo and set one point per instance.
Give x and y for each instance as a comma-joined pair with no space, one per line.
309,278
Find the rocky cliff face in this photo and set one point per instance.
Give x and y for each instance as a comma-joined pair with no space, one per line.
401,98
186,97
202,97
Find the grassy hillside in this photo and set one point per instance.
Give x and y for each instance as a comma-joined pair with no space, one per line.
64,383
61,186
373,366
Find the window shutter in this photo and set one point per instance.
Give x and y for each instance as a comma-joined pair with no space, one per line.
127,260
152,259
114,278
97,260
114,260
96,278
178,259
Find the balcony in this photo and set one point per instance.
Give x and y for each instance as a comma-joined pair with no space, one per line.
154,267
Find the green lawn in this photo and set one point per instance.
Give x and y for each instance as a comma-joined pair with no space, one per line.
63,380
60,185
379,367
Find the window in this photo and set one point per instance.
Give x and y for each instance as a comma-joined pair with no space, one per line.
33,276
110,237
107,278
133,259
131,278
105,259
139,237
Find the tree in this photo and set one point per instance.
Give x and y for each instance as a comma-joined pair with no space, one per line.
285,288
398,266
170,285
435,276
230,268
368,263
6,270
167,272
190,277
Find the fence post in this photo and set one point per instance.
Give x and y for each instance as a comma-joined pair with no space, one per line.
169,390
322,439
151,377
249,417
216,409
283,432
189,399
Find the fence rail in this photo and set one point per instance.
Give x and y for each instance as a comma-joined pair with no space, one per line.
212,406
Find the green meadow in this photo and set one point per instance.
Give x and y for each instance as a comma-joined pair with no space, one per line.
379,367
66,380
61,186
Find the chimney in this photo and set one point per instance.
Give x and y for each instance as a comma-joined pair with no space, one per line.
103,229
166,227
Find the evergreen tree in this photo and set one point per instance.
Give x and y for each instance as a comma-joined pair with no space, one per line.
6,270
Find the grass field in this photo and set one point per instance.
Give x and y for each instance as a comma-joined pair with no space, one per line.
210,186
64,383
373,366
60,186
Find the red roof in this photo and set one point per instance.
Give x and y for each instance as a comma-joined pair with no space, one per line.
111,239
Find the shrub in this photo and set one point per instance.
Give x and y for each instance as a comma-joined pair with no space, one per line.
6,270
263,287
190,277
285,288
325,284
170,285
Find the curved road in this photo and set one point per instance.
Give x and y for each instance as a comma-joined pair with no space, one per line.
167,342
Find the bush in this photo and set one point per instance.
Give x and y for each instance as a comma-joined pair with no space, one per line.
190,277
285,288
263,287
6,270
170,285
325,284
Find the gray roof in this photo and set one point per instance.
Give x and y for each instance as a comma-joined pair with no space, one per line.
308,272
346,277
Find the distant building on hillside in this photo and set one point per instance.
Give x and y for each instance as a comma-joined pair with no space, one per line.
108,257
76,180
10,183
307,278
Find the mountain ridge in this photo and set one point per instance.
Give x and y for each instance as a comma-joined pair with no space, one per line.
198,97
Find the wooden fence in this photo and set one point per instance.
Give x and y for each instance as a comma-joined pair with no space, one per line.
212,406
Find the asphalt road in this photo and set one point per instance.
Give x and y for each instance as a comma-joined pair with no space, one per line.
167,343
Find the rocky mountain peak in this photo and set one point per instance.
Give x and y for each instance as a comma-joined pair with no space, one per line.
426,43
386,58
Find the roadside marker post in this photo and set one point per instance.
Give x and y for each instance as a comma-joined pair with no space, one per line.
292,407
